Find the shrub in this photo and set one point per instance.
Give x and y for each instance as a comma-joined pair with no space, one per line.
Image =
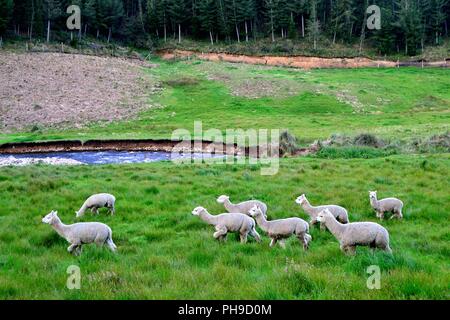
352,152
368,140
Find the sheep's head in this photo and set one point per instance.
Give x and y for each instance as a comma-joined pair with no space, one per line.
50,218
197,211
222,198
254,211
372,195
300,199
323,215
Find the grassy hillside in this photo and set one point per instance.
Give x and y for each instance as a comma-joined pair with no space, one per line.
401,103
165,252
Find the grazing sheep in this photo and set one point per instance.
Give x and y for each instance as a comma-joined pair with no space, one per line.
229,222
355,234
97,201
81,233
242,207
279,230
338,212
393,205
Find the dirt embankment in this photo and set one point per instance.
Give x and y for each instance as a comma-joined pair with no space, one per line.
120,145
143,145
296,61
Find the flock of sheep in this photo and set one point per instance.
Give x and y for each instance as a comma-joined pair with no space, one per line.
242,218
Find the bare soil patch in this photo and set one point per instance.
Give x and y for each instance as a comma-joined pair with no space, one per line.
42,90
291,61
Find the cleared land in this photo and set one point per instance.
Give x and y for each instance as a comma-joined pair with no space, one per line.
47,90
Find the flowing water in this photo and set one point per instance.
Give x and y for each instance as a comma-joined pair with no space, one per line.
97,157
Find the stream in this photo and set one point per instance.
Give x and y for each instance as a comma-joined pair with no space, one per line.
96,157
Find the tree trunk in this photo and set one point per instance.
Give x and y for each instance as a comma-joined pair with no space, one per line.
141,15
109,34
32,19
85,30
237,32
48,31
179,33
165,32
363,29
303,26
211,37
246,31
98,33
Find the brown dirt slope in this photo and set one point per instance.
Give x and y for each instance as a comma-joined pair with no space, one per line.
65,90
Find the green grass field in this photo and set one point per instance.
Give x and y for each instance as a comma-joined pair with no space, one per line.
164,252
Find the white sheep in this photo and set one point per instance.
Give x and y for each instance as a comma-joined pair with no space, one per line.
279,230
229,222
355,234
78,234
97,201
242,207
338,212
393,205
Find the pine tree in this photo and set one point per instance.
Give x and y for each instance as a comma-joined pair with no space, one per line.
313,23
177,13
270,13
409,21
6,11
52,9
206,14
89,15
343,18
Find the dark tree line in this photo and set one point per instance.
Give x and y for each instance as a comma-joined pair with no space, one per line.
406,25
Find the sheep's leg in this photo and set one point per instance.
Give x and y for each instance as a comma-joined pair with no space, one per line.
255,235
282,243
302,238
220,233
112,210
351,250
398,214
72,247
78,250
111,245
244,237
273,242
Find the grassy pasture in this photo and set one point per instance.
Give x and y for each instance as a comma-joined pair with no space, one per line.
397,104
165,252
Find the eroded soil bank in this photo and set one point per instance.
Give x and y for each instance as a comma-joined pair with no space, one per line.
119,145
296,61
142,145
